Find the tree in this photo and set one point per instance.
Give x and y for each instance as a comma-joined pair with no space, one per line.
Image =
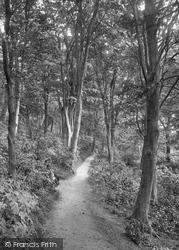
83,34
152,115
8,74
150,56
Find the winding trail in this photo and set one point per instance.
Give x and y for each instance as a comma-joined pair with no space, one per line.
82,223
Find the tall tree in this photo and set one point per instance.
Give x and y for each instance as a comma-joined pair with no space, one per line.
83,35
152,51
7,62
152,77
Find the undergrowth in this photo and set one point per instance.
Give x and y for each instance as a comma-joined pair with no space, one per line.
118,185
25,201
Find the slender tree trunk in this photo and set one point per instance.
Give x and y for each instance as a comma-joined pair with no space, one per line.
17,106
7,56
69,128
109,144
79,43
94,143
168,147
141,208
112,143
11,111
168,141
28,123
102,146
94,132
82,42
63,124
45,110
4,107
77,122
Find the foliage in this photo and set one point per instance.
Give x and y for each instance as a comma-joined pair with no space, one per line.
118,185
165,214
137,232
43,58
25,201
118,182
16,209
129,160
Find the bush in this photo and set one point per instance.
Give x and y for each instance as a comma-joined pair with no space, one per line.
129,160
117,182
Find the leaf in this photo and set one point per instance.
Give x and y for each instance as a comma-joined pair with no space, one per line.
14,207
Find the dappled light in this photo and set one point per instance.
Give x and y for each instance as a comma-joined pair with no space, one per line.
89,119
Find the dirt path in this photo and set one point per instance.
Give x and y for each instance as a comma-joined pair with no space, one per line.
82,223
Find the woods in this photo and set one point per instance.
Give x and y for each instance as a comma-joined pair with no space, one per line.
91,77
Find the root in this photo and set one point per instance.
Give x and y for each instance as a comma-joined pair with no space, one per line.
152,231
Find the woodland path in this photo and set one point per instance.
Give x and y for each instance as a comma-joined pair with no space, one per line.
81,222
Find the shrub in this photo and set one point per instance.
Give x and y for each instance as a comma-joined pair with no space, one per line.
119,183
129,160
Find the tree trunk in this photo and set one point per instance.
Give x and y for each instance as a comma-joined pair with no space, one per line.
69,128
17,107
149,153
109,144
83,35
29,123
63,124
148,159
11,111
4,107
77,123
45,110
94,143
168,147
154,194
102,145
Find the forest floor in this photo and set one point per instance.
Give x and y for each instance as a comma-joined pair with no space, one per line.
81,221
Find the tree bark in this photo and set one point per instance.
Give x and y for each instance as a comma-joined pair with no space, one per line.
149,153
46,93
7,56
17,106
29,123
109,113
4,107
69,128
74,140
148,159
94,143
168,140
168,147
154,194
11,111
